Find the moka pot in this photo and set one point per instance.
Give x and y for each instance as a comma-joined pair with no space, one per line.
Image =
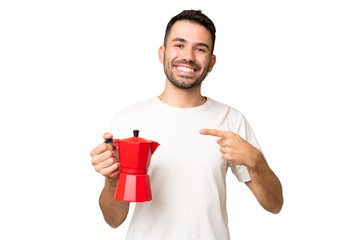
135,153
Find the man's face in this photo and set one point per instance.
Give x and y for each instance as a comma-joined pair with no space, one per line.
187,56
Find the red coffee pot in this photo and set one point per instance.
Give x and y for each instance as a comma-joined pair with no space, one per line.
134,156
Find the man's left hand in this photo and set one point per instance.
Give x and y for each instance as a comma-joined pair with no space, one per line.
234,148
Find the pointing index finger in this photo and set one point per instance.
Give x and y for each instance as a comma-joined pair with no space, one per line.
213,132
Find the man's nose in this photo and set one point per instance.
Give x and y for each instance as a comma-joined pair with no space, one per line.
189,55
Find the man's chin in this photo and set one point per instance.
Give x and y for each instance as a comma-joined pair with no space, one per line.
187,85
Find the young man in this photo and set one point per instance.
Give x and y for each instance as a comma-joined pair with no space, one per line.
188,169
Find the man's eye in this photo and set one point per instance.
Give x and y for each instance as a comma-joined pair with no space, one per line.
179,45
200,50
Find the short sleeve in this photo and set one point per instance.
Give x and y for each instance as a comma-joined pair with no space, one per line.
244,130
241,172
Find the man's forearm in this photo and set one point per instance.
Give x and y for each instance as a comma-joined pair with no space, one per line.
114,211
266,186
264,183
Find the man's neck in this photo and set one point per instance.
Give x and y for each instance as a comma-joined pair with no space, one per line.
182,98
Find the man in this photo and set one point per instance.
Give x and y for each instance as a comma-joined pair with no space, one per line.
188,169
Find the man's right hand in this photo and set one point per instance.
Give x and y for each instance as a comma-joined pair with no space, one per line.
104,159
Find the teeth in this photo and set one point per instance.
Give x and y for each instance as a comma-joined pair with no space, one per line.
185,69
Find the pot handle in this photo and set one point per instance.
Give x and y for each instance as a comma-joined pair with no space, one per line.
109,141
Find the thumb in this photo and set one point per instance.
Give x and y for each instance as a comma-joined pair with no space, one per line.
107,135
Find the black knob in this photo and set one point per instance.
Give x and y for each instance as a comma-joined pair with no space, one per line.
109,141
136,133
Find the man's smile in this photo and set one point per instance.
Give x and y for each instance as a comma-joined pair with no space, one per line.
188,69
185,69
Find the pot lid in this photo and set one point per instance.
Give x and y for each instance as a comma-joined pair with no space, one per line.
136,138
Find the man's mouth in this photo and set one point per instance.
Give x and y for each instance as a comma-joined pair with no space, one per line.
185,69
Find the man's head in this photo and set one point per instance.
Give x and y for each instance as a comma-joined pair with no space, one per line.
187,51
196,17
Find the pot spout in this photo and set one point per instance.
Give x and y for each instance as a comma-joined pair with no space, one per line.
154,146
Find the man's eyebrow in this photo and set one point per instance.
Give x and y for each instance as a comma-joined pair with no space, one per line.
203,45
179,40
184,41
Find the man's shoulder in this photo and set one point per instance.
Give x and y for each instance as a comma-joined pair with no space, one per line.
225,107
136,107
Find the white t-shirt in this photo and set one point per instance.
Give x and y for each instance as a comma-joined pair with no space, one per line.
187,171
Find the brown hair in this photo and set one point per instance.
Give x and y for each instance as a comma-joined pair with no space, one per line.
193,16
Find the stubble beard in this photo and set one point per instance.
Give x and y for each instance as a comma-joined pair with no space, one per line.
181,81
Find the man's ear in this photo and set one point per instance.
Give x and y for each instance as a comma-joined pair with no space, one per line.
161,54
212,62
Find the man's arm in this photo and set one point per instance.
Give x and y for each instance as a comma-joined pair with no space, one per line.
105,162
114,211
264,184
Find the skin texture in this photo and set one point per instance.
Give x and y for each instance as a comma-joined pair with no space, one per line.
187,59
